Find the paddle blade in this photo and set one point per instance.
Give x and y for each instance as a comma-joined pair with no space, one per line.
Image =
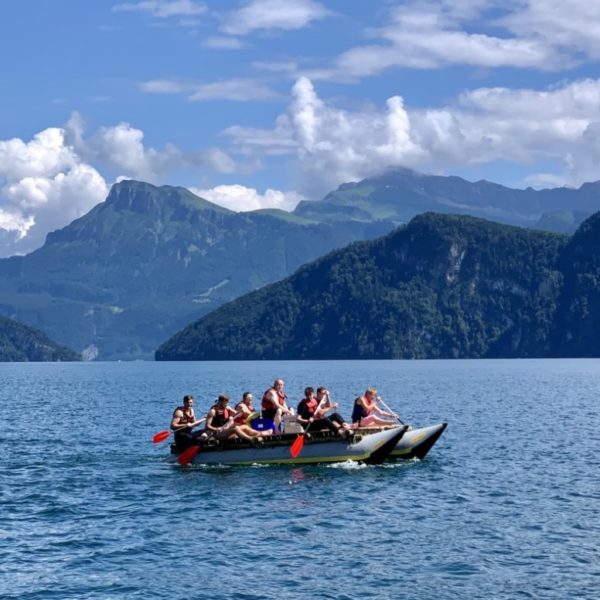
161,436
297,446
188,455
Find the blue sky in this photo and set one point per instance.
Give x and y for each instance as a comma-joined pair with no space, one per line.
256,103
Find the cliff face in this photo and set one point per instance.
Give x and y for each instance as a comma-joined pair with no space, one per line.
442,286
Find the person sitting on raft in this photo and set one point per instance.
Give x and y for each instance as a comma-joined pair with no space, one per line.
183,421
309,416
326,406
273,404
364,409
220,423
244,409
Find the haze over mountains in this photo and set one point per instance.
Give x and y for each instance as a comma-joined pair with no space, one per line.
138,267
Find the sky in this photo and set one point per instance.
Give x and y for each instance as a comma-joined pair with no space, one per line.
262,103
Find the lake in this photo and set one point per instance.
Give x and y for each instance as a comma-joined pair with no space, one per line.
506,505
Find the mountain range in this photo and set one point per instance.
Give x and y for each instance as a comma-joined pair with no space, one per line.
137,268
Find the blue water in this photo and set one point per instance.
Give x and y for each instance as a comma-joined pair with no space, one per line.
506,505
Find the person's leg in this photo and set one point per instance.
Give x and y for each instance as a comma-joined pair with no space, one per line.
373,421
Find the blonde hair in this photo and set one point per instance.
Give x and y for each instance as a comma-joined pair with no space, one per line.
370,391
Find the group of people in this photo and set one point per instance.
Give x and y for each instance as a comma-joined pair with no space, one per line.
314,412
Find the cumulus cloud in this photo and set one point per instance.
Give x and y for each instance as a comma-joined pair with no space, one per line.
241,199
164,8
54,178
43,185
332,145
273,14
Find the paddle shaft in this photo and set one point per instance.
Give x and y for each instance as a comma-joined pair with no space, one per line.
380,399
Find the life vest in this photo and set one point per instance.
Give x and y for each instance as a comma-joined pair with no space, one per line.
307,408
267,403
187,418
221,416
242,418
360,412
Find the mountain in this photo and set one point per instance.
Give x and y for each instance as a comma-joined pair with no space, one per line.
577,330
149,260
19,343
139,266
442,286
401,194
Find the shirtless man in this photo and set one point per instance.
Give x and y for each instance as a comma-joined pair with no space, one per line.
220,423
274,404
183,421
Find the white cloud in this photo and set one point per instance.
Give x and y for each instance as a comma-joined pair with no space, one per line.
333,145
240,90
431,36
43,185
222,42
121,147
54,178
273,14
215,158
164,8
164,86
571,25
237,90
241,199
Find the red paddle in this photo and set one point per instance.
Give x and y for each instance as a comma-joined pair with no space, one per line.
298,444
188,455
161,436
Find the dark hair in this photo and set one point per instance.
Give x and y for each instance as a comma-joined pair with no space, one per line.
308,391
223,398
246,394
187,398
321,389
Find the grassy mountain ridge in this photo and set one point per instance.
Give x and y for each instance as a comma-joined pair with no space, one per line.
442,286
400,194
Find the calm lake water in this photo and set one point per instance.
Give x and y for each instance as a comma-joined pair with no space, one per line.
506,505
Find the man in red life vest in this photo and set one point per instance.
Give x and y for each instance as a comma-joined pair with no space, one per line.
274,404
313,419
220,423
183,421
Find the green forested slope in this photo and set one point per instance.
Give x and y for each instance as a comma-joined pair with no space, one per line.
19,343
442,286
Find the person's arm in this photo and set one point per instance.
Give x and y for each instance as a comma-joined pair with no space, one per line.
176,424
242,409
209,419
302,414
383,413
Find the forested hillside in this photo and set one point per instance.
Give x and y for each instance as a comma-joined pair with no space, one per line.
19,343
442,286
